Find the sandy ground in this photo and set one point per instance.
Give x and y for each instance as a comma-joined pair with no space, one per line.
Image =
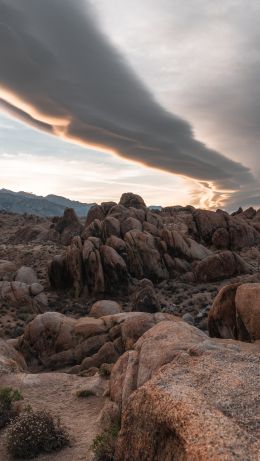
55,392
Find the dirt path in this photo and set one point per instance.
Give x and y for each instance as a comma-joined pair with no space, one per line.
55,392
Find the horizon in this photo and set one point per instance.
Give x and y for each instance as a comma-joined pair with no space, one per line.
150,106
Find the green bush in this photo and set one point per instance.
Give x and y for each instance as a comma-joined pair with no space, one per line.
33,432
7,409
103,446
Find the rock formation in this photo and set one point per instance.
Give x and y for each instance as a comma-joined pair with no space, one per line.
126,241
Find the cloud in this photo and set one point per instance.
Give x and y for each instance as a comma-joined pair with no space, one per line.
60,73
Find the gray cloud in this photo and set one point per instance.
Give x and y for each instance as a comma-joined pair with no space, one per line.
55,59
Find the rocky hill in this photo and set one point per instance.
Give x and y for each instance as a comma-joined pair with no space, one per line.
51,205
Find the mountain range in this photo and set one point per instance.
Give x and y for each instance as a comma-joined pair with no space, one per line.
51,205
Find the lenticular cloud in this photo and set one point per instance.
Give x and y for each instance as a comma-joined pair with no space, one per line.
60,73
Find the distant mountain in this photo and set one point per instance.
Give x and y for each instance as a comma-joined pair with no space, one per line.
51,205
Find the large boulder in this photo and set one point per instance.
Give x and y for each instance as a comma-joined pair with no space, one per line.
144,257
184,412
115,270
129,199
222,315
104,307
93,269
248,310
129,224
156,347
26,275
181,246
235,312
111,226
220,266
95,212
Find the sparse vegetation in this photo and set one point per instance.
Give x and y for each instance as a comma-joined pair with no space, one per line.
103,446
84,393
105,370
7,408
33,432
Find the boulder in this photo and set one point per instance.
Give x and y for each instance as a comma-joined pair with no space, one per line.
115,270
129,199
58,273
247,302
181,246
221,239
111,226
235,312
145,298
94,229
156,347
104,307
222,315
129,224
94,275
144,257
7,270
106,206
220,266
119,246
68,226
185,413
95,212
26,275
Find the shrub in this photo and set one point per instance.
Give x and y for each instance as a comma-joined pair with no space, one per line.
103,446
85,393
33,432
7,409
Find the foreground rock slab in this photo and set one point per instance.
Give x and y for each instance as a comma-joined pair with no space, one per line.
199,407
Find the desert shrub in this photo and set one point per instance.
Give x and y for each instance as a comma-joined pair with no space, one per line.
33,432
7,409
103,445
85,393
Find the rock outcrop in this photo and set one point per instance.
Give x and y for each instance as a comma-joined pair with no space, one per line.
28,299
53,340
121,242
225,231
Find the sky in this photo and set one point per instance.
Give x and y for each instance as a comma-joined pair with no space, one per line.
102,97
